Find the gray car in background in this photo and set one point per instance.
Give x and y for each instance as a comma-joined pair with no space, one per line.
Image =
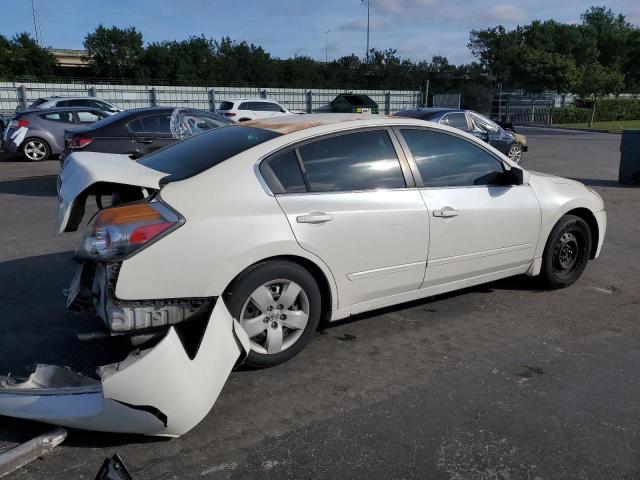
84,102
38,134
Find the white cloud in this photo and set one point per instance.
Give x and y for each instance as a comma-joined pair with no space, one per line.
506,13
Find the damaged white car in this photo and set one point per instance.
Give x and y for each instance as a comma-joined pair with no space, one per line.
240,240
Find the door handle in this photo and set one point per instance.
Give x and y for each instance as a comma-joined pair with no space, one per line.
446,212
314,217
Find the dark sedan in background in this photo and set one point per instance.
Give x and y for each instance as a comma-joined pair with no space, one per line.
38,134
141,131
511,144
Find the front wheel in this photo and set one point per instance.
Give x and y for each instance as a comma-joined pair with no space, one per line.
278,304
515,152
566,252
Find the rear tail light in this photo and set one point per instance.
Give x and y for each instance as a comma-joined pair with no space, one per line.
229,114
78,142
117,232
18,123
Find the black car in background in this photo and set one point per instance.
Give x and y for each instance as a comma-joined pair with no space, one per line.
141,131
509,143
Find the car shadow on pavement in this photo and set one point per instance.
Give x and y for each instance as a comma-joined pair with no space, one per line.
41,186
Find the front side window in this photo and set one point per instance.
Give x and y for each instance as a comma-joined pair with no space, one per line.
448,161
282,173
78,103
455,120
355,161
88,117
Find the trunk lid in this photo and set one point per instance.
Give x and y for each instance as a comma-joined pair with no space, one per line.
85,173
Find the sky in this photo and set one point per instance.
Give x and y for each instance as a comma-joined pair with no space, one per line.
417,29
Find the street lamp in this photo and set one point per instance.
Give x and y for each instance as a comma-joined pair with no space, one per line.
368,19
326,46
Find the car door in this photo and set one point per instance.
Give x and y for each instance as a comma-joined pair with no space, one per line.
478,224
358,211
150,132
490,132
55,123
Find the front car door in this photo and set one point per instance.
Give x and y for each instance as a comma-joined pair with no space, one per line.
150,132
499,138
478,225
349,199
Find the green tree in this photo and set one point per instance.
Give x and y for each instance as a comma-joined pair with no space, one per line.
115,53
22,56
596,82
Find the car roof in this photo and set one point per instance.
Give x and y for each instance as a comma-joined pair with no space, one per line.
45,111
294,123
71,97
270,100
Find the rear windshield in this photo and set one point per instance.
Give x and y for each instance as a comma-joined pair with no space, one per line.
226,105
201,152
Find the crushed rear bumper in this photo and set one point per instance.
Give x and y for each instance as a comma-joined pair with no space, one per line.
165,390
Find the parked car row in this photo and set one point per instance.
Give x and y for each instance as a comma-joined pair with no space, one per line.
58,125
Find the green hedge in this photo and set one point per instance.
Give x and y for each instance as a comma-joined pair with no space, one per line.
571,115
607,109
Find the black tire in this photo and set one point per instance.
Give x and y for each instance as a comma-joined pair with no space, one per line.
32,157
246,283
566,252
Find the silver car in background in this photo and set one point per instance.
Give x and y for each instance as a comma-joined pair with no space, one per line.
84,102
38,134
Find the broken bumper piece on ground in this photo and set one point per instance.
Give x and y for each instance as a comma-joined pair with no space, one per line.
165,390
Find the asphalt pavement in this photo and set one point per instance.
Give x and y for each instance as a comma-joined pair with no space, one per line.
501,381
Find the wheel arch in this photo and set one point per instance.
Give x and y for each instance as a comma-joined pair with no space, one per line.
326,291
588,216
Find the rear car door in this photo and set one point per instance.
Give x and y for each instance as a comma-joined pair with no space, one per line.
351,201
54,124
478,226
150,132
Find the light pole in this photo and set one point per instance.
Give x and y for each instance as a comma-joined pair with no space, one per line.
326,46
368,21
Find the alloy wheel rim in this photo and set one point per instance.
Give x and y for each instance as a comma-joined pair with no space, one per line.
515,153
35,150
275,315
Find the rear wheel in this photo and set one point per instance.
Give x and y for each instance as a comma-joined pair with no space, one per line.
35,150
278,304
566,253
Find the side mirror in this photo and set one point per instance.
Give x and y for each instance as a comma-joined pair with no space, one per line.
513,176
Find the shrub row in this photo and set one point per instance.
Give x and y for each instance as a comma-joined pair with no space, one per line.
607,109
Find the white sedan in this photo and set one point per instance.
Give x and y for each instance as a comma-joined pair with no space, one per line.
240,240
245,109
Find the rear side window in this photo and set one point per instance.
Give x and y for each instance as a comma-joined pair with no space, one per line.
64,117
282,173
448,161
226,106
456,120
152,124
355,161
246,106
199,153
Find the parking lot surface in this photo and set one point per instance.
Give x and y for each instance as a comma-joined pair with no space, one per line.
500,381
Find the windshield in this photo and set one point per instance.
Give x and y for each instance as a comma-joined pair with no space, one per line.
484,123
201,152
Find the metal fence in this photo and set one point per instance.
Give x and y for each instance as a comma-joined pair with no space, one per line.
18,95
446,100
